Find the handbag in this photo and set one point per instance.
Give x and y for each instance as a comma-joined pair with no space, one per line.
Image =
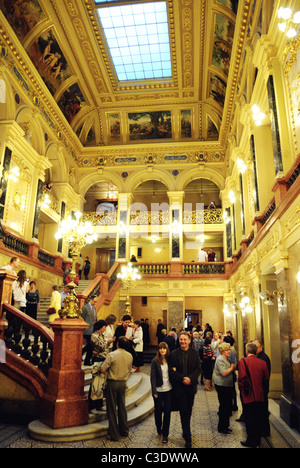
51,311
99,382
247,383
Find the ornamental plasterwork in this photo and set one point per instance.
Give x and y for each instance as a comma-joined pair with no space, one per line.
168,157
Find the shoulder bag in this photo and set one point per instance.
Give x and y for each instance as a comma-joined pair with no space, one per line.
247,383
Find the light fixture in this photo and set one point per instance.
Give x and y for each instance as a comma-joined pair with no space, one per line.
268,296
122,228
46,201
176,227
298,277
232,196
77,234
245,306
288,22
129,275
241,166
14,173
258,116
226,218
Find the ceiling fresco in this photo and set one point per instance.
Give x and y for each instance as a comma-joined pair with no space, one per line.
68,48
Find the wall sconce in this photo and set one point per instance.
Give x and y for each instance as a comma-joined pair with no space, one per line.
268,296
46,201
298,277
226,217
245,305
122,229
232,196
241,166
14,173
258,116
289,24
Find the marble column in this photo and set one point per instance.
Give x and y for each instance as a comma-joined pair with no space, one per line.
176,234
176,313
123,234
289,331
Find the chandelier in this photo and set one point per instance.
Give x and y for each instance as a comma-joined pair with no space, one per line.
78,234
129,275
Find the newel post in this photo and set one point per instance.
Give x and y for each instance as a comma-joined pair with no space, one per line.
6,282
64,403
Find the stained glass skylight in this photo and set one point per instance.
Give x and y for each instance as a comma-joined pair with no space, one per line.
138,39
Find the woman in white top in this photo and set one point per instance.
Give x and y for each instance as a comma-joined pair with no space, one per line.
55,305
161,390
20,288
109,334
138,345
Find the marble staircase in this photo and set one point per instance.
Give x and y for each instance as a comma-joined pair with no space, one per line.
42,316
139,405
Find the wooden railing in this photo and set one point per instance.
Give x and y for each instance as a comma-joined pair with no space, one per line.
29,252
104,286
183,270
28,350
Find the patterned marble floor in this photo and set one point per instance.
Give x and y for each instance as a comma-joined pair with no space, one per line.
143,435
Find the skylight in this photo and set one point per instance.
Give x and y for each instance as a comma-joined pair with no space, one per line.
138,39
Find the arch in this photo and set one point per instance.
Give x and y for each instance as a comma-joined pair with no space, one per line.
89,179
31,126
59,167
154,174
208,173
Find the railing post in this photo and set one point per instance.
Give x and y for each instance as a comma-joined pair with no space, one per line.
64,403
6,281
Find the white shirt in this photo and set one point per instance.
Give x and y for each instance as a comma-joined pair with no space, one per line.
166,386
20,293
10,269
202,256
109,334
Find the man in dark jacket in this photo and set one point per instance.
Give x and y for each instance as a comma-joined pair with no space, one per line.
185,368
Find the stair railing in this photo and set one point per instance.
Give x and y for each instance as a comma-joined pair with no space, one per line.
104,286
28,338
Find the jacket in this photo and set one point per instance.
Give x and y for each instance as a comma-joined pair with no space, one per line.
138,340
176,371
156,378
259,374
90,317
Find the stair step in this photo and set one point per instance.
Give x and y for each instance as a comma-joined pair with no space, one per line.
139,404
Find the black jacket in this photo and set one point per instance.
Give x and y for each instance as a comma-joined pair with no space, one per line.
156,376
176,371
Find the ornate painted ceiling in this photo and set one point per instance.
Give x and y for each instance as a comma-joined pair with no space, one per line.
65,54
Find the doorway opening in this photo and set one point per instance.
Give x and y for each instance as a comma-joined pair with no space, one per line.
192,318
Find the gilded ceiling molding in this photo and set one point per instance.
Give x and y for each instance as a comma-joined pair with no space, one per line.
135,157
236,67
14,63
187,44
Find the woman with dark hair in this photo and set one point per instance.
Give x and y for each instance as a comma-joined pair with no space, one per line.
109,333
20,288
162,390
138,344
98,342
100,351
33,300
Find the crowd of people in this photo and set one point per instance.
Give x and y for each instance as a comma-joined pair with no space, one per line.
184,359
